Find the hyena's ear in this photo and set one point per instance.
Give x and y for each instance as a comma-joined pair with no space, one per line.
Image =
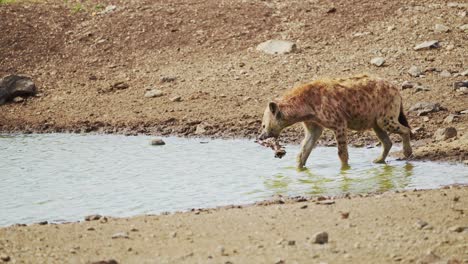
274,109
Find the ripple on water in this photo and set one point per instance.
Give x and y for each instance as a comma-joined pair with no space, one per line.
68,176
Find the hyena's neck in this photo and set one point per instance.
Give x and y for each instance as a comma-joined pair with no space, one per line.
295,110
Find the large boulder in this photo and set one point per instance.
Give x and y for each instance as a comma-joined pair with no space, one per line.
15,85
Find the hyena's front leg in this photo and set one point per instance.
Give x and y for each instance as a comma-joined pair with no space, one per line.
312,134
341,140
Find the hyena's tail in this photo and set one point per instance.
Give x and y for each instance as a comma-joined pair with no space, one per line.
402,119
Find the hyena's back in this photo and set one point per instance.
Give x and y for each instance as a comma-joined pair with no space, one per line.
358,101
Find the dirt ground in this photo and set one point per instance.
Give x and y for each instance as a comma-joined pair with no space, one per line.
93,67
408,227
204,52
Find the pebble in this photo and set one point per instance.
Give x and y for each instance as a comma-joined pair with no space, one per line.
110,261
277,47
378,61
344,215
158,142
291,242
321,238
43,223
458,85
420,224
120,235
176,99
153,93
464,112
407,85
431,44
445,73
5,258
90,229
108,9
167,79
92,217
458,229
445,133
450,119
464,27
415,71
18,99
120,85
464,73
439,28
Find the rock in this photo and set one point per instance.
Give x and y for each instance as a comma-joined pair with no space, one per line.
407,85
450,119
167,79
420,88
92,217
13,86
277,47
18,99
120,85
5,258
111,261
176,99
331,10
291,243
464,112
431,44
91,228
458,229
200,130
321,238
43,223
458,85
158,142
108,9
423,108
153,93
439,28
344,215
463,90
120,235
378,61
415,71
457,5
464,73
420,224
445,133
445,73
464,27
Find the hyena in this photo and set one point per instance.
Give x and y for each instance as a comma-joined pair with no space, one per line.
357,103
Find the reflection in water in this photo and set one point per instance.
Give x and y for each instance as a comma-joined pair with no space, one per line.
379,178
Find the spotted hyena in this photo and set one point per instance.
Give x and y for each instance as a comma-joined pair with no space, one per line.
356,103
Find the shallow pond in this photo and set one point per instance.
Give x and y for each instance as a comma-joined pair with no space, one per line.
63,177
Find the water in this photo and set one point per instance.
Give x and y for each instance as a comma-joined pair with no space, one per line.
64,177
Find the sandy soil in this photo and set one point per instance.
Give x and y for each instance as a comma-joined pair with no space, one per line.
407,227
205,53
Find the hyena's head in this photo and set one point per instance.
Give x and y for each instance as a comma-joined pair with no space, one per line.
273,122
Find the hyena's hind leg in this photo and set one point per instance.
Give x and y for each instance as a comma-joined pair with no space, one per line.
392,125
312,134
386,143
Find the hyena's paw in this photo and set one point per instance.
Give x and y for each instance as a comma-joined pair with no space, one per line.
379,161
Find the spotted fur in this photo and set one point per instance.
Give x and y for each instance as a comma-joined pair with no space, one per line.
356,103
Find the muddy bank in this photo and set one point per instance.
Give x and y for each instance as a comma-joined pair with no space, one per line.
405,227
